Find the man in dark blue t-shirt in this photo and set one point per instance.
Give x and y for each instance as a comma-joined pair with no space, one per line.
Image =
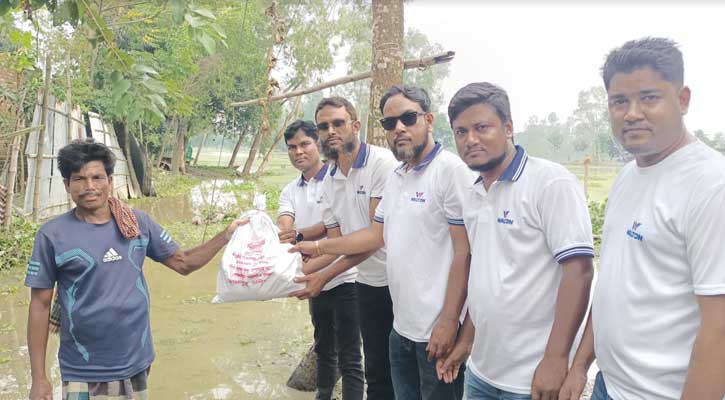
97,266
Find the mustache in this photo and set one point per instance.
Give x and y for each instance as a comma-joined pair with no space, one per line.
90,193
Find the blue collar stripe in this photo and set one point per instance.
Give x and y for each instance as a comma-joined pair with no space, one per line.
362,156
360,161
516,168
318,177
436,150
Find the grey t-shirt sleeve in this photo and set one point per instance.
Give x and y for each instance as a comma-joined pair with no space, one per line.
161,246
41,273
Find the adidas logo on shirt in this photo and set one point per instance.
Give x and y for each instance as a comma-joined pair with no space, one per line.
111,256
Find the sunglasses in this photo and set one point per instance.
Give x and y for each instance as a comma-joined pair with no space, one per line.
337,123
408,118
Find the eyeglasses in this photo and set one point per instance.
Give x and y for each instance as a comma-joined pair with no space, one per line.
408,118
337,123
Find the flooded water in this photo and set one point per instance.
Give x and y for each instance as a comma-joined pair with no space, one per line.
203,350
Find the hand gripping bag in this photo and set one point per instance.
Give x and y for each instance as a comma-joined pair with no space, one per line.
255,266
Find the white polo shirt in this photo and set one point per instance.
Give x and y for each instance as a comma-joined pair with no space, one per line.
346,202
661,248
300,199
418,206
530,220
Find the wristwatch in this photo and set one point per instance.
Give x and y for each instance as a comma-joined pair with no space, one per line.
299,237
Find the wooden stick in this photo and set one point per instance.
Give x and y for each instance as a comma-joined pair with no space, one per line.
40,149
421,63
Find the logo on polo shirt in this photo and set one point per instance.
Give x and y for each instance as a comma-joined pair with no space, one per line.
111,256
633,232
361,190
505,220
418,198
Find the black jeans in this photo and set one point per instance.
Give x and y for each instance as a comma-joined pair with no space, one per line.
376,322
337,342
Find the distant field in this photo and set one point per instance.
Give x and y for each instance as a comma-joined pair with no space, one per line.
601,178
279,171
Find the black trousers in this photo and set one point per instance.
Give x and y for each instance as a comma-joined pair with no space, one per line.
337,342
376,322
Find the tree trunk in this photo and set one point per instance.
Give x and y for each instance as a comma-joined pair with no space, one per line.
177,160
148,184
387,65
40,148
129,158
264,129
277,27
237,147
201,147
278,138
168,134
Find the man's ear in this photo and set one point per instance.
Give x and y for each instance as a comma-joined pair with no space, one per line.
429,118
509,130
684,99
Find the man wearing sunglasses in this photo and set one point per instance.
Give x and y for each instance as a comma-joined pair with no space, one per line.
420,221
350,193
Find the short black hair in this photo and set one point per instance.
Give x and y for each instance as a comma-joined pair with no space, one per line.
480,93
307,127
412,93
660,54
337,102
72,157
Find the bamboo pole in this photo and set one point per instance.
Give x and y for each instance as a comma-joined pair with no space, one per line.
40,149
69,108
12,174
420,63
22,131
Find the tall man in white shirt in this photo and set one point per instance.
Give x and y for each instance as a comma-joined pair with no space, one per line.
351,192
531,257
420,222
657,324
334,311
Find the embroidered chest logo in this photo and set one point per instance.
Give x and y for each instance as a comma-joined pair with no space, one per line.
111,256
633,232
361,190
418,198
505,220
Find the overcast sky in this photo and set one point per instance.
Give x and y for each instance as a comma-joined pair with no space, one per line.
544,53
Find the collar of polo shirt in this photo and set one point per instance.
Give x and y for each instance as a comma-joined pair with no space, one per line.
318,177
360,161
515,169
427,160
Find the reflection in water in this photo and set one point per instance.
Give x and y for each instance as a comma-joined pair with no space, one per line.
218,194
203,351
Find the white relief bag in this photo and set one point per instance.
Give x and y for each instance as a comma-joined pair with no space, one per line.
255,266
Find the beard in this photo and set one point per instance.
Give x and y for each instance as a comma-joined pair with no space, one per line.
491,164
332,153
407,154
